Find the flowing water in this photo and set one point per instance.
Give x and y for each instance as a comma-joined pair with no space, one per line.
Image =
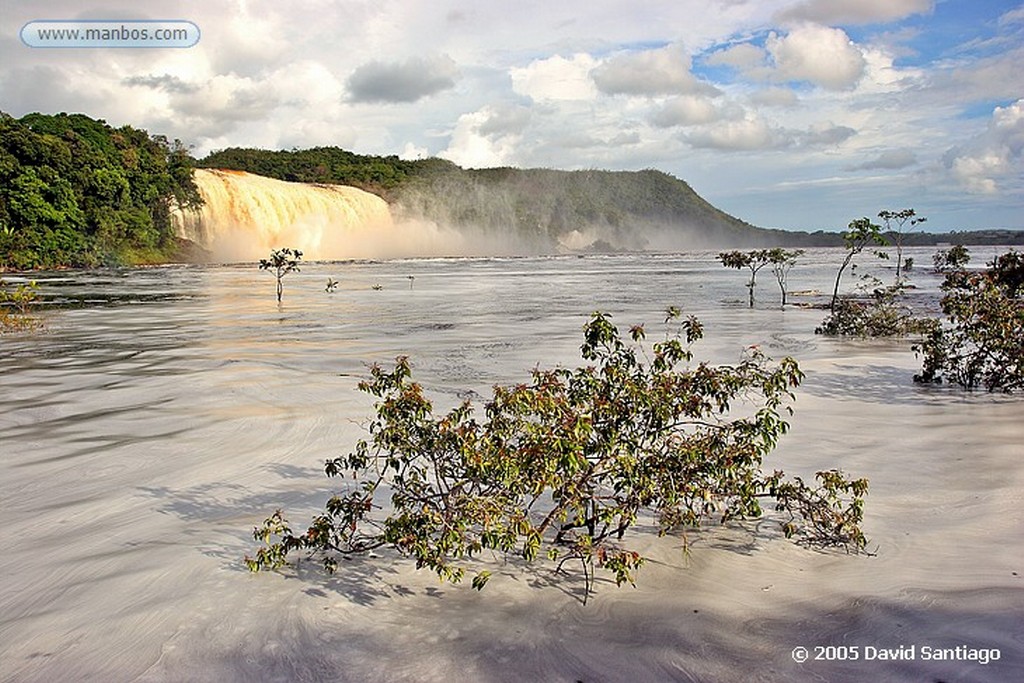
162,413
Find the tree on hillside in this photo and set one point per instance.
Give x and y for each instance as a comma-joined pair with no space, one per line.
565,466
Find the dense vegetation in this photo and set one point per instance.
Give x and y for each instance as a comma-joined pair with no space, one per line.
981,343
318,165
564,467
77,192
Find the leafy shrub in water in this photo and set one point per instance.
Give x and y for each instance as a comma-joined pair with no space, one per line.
280,263
954,258
882,314
982,342
562,468
16,306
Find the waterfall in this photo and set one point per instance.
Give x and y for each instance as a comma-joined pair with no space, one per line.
247,215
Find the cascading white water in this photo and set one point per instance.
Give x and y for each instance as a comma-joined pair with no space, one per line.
246,215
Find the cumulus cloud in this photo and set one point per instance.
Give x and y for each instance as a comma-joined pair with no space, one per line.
981,164
889,160
749,134
664,71
505,120
686,110
831,12
50,89
556,78
819,55
407,81
483,139
411,152
816,54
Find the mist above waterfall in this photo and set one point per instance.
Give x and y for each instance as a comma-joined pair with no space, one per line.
449,211
246,215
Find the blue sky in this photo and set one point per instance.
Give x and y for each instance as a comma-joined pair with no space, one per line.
798,114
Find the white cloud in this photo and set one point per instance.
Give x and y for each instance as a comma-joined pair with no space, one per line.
774,97
476,143
749,134
686,110
832,12
1014,16
823,56
743,57
664,71
411,152
994,156
556,78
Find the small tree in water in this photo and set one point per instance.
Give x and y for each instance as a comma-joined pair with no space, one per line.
858,235
782,262
751,260
895,221
563,467
281,262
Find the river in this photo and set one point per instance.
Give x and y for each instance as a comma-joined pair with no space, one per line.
161,413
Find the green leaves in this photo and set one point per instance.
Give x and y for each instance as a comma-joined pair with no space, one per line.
751,260
982,344
562,466
281,262
74,191
22,299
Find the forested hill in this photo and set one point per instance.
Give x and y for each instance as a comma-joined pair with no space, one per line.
77,192
619,206
615,209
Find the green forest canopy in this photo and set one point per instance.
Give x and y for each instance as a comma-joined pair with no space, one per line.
75,191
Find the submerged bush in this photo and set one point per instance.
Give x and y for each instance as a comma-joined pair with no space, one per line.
563,467
982,342
881,314
16,306
954,258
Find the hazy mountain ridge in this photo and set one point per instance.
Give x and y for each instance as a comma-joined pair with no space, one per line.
583,209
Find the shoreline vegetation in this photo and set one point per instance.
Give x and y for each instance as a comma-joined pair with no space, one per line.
77,192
